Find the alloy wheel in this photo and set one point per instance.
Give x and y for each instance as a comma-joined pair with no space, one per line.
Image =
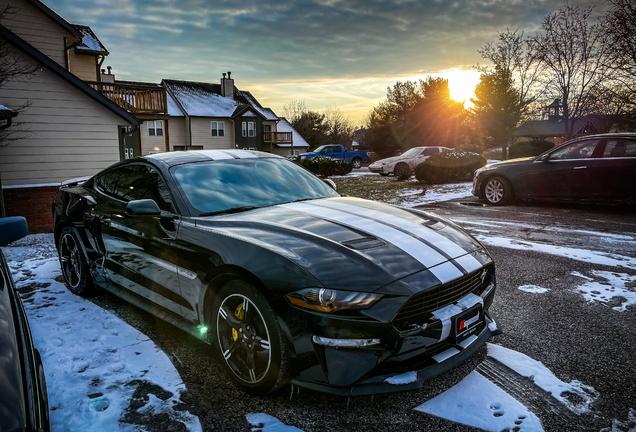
494,191
244,338
70,260
357,163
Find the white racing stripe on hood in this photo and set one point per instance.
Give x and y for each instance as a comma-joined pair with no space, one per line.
242,154
216,154
447,246
409,244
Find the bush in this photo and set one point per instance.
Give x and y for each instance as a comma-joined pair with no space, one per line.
450,166
326,166
528,148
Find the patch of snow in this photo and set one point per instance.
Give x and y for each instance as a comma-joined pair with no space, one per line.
402,379
267,423
628,426
584,255
479,403
93,361
533,289
411,192
544,378
492,326
439,193
492,161
617,290
575,273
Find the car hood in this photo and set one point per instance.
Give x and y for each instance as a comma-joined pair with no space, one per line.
356,244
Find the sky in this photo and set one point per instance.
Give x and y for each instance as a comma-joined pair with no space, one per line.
330,53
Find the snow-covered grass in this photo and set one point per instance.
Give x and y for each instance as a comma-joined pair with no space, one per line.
627,426
101,373
479,403
584,255
533,289
267,423
437,193
544,378
619,288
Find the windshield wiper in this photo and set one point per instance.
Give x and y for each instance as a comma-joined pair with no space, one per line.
228,211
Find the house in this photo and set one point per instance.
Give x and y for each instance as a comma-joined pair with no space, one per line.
69,129
77,119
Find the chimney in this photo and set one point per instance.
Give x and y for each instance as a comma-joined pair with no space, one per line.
227,85
108,77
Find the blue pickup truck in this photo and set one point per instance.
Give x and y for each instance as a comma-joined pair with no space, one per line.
357,158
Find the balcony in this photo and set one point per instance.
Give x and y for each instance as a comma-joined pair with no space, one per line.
277,137
138,99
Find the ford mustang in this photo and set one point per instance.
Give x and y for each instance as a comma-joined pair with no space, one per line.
287,279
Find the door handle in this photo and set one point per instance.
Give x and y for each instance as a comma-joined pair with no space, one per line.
580,167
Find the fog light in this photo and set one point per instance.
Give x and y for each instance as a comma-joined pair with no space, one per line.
345,343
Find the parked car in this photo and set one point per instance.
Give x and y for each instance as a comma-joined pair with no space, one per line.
595,168
286,278
405,162
357,158
23,398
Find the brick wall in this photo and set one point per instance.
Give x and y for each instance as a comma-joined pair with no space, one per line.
34,203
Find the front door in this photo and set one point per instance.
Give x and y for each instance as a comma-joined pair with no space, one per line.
140,253
565,174
127,143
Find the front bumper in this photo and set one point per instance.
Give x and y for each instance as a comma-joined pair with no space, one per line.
427,347
384,169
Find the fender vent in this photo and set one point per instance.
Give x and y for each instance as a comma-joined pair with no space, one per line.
364,243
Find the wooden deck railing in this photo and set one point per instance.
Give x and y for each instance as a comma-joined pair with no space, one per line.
137,99
278,137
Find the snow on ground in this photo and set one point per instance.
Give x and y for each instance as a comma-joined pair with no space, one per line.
585,255
533,289
627,426
620,288
582,395
101,373
267,423
435,193
477,402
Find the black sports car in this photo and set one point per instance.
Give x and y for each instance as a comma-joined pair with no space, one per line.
285,277
23,398
595,168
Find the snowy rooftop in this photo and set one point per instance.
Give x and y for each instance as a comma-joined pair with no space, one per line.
284,126
204,100
90,42
173,108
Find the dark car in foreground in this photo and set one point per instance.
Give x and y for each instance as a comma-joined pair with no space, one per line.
23,398
286,278
596,168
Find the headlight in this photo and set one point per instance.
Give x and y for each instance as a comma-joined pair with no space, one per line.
303,157
328,300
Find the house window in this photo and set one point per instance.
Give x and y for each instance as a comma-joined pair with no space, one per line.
295,153
267,128
251,132
217,128
155,128
244,129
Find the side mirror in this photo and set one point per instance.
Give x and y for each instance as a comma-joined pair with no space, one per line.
330,183
12,229
145,207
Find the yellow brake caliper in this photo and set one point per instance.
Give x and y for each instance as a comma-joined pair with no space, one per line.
239,314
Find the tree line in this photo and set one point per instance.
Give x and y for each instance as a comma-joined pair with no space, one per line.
328,127
588,63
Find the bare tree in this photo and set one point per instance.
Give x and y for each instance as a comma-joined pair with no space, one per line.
339,128
294,110
574,53
621,27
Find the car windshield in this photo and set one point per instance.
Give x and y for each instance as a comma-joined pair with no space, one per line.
319,149
242,184
412,152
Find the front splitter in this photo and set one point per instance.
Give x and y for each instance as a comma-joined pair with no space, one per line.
378,384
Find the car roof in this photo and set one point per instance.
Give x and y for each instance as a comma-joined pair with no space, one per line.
181,157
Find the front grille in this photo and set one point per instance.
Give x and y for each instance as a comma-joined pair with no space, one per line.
418,309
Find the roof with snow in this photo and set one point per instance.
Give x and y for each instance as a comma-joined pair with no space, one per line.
90,43
284,126
200,99
173,108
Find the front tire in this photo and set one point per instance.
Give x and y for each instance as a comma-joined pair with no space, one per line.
73,263
357,163
498,191
249,339
402,171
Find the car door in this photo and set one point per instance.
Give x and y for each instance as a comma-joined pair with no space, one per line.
614,172
564,174
139,251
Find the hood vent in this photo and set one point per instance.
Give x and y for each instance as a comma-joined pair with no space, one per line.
364,243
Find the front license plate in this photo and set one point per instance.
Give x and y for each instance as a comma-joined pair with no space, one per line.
466,323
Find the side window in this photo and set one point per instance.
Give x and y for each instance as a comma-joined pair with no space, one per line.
244,129
135,182
155,128
620,148
577,150
429,151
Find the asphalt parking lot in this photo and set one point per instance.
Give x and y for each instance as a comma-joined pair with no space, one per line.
556,247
